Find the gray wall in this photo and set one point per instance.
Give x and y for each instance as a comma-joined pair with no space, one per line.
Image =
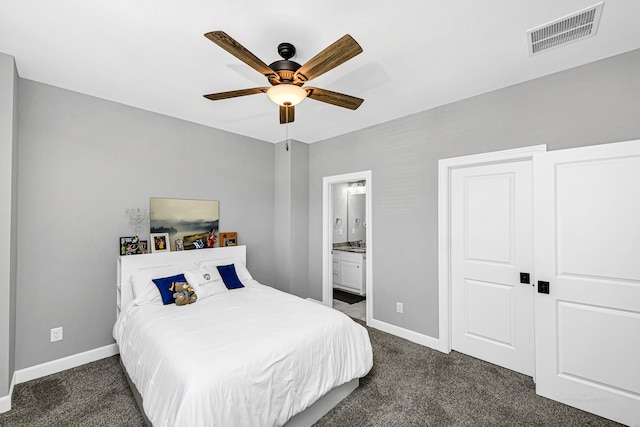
592,104
300,218
291,217
282,218
8,218
82,161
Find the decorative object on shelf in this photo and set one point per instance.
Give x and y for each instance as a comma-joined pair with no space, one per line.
159,242
184,219
213,238
129,245
139,218
179,245
229,239
143,247
196,241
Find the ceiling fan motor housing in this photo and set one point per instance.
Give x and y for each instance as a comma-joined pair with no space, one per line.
284,67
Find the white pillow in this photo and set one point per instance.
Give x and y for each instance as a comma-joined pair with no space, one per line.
241,270
144,290
214,262
205,282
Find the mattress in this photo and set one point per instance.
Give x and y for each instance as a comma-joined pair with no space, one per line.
253,356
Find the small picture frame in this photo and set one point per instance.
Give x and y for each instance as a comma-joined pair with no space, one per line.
159,242
179,245
143,247
228,239
129,245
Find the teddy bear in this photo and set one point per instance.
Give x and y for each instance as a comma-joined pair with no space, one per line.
184,294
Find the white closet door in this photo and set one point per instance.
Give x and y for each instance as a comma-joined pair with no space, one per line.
491,244
587,247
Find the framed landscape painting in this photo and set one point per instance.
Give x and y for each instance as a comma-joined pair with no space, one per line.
194,222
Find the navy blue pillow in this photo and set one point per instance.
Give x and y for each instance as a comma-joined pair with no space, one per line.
229,276
166,288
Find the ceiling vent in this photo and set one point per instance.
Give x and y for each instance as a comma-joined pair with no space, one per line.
568,29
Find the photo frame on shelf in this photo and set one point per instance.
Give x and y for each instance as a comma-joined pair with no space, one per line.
228,239
143,247
129,245
159,242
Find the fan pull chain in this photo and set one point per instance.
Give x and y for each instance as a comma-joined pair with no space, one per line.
286,127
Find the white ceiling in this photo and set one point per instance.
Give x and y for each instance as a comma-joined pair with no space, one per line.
418,54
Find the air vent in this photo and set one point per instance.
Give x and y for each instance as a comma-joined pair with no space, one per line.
571,28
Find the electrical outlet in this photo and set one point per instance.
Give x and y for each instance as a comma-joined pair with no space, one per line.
399,307
56,334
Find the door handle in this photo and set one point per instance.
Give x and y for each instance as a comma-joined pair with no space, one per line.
543,287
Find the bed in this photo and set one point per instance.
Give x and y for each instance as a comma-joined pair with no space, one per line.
251,356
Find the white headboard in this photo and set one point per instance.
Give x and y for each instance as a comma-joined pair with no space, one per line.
132,263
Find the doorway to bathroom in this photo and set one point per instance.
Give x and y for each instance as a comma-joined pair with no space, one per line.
347,244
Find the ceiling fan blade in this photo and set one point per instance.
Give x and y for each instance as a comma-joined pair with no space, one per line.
235,93
226,42
339,52
335,98
287,114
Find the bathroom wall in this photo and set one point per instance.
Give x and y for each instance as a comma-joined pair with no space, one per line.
339,206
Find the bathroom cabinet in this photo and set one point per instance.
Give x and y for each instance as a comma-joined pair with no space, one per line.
349,271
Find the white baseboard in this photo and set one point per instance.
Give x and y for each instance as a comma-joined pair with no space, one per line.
5,401
48,368
407,334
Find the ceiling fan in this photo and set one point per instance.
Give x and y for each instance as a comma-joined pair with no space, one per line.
287,77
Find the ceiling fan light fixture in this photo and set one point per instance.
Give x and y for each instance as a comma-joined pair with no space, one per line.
286,94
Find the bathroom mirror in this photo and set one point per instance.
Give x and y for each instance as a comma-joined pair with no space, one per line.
356,217
349,221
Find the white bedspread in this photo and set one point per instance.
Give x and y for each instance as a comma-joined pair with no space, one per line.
249,357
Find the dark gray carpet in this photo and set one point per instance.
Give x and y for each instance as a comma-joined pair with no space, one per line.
91,395
409,385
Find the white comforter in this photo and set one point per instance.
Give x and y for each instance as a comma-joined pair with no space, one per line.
249,357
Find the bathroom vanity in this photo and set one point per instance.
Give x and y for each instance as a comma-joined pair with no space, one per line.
349,270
